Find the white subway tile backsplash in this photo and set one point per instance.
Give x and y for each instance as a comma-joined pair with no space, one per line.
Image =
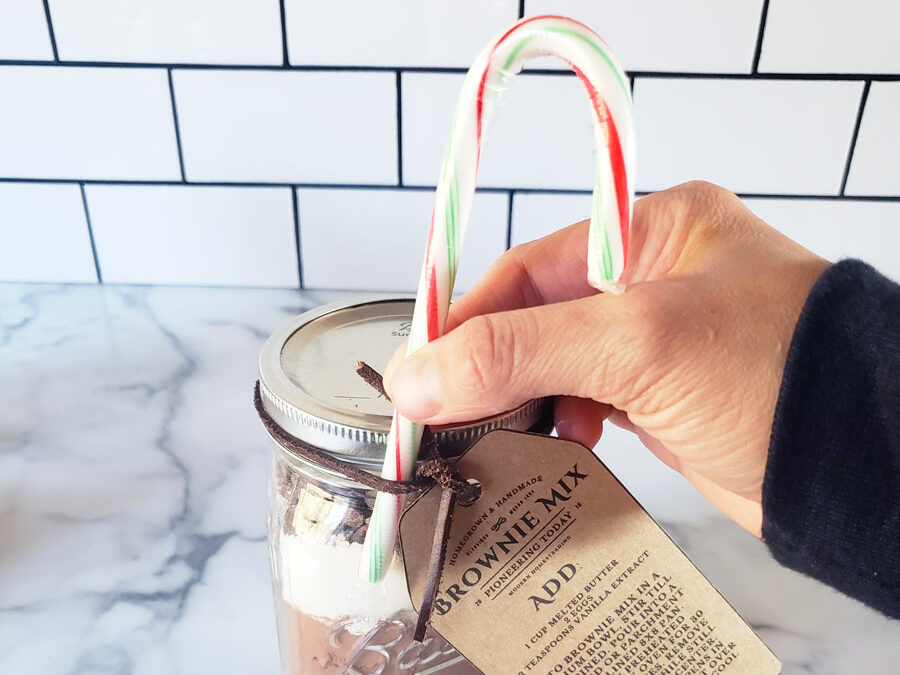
87,123
833,228
233,236
329,121
23,31
686,36
375,239
44,234
173,31
876,160
280,127
536,215
764,136
393,32
540,135
831,36
838,229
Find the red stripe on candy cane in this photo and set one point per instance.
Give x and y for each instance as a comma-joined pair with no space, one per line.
479,106
479,99
616,159
434,325
621,180
558,36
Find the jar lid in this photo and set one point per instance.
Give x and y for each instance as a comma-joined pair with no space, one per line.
310,387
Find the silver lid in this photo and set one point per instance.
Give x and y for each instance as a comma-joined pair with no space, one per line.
310,387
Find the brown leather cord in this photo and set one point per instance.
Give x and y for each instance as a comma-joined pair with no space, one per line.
445,474
436,561
328,461
435,471
372,377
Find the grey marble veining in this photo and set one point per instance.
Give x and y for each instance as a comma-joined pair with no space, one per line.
132,497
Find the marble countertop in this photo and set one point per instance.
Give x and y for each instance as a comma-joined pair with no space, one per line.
133,483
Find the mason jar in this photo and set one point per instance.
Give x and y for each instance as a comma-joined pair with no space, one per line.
329,620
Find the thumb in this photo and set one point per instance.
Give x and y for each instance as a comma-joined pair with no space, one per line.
592,348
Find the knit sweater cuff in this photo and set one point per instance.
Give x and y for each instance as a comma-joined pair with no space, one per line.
831,495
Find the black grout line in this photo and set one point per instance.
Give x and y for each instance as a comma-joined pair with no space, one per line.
840,77
853,77
51,31
313,68
808,197
177,126
238,184
424,188
805,197
399,131
90,229
521,9
855,135
509,219
742,195
759,35
167,183
296,206
284,41
209,286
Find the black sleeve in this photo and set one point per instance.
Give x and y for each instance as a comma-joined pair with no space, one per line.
831,495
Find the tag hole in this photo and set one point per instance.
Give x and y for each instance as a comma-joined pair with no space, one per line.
473,496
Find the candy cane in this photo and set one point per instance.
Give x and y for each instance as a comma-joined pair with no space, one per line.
613,189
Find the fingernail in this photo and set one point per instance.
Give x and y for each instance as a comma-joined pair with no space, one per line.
414,387
565,429
580,431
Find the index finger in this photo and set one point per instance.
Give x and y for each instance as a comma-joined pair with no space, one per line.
554,268
547,270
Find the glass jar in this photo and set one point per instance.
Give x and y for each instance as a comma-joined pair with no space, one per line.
329,620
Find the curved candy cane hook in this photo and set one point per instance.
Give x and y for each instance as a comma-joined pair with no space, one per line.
610,97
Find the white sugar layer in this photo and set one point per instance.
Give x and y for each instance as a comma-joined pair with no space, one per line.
321,580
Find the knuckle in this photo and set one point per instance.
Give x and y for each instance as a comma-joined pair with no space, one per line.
713,202
517,256
699,196
515,265
698,210
487,348
694,191
509,259
638,348
655,320
703,189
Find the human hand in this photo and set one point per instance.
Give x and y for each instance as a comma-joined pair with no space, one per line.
690,357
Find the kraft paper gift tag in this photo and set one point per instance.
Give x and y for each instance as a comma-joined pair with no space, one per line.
557,569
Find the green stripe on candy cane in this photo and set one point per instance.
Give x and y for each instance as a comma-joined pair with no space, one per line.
374,553
623,82
578,36
515,53
452,230
613,192
607,272
601,221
